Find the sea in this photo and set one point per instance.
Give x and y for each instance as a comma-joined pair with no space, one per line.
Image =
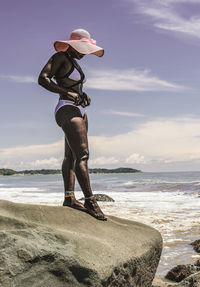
167,201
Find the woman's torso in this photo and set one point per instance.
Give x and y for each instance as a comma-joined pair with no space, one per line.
70,76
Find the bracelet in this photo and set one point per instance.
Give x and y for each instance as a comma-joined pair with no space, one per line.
69,193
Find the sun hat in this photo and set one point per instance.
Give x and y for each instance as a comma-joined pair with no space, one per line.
80,40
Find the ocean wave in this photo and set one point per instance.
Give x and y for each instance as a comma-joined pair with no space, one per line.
20,189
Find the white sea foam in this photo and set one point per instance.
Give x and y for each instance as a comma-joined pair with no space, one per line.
128,183
20,189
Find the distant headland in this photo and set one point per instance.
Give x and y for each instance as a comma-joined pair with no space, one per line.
8,171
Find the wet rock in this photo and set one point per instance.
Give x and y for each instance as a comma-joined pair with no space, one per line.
196,245
191,281
197,262
101,197
179,272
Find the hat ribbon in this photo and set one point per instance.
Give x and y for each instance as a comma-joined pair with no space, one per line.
92,41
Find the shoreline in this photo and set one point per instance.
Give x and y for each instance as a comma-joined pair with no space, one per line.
11,172
168,203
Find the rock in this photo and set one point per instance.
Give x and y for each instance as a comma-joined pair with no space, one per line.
191,281
162,282
52,246
178,273
101,197
196,245
197,262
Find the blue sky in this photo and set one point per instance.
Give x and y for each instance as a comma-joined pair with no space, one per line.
145,89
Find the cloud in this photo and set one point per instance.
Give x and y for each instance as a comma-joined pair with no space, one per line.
51,162
116,80
135,158
19,79
128,80
166,15
33,150
104,161
124,114
157,142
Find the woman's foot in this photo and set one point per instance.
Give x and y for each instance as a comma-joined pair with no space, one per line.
73,203
93,208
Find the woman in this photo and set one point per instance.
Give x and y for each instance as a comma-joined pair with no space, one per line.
70,114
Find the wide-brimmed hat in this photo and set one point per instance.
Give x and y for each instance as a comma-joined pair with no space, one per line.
80,40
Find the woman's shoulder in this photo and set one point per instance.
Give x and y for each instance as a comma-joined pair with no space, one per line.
60,57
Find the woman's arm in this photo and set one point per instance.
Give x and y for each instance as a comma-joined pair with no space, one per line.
49,71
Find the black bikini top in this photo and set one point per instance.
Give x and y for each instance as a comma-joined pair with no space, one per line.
75,67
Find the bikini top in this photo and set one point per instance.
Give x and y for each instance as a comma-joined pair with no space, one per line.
75,76
75,73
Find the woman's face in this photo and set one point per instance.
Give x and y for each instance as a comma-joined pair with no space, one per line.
75,54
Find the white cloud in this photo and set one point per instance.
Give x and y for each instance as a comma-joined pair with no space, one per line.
135,158
157,140
127,80
116,80
51,162
18,78
166,15
104,161
124,114
161,141
33,150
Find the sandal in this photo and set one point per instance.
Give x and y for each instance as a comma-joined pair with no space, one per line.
93,208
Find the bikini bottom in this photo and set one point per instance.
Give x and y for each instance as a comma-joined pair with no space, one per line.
62,103
66,112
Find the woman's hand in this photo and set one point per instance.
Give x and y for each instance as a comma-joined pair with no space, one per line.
87,99
74,97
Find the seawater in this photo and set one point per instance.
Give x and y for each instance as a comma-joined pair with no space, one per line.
169,202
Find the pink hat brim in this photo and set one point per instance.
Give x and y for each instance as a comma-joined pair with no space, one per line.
82,47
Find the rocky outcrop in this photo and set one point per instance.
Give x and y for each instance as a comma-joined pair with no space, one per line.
197,262
180,272
191,281
61,247
196,245
101,197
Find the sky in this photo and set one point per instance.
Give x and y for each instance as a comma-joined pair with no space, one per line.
144,91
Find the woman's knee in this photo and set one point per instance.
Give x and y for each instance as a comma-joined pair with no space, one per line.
83,155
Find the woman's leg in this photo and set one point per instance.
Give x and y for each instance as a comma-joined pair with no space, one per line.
75,129
76,135
68,169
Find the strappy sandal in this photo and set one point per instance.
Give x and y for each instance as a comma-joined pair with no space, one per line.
93,208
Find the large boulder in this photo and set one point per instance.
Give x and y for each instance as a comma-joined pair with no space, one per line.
52,246
101,197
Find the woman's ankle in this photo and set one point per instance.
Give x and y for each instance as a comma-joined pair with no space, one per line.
90,197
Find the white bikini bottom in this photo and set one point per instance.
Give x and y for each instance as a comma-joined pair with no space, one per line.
62,103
